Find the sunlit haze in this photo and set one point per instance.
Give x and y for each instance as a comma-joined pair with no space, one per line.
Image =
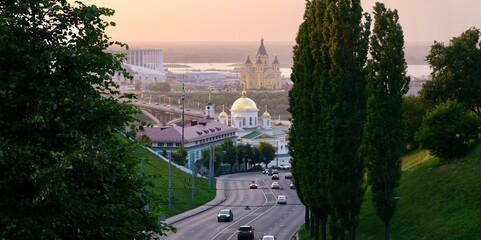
276,20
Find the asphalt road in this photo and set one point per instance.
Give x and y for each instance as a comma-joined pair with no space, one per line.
262,213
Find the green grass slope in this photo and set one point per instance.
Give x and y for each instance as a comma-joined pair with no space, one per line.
158,170
439,200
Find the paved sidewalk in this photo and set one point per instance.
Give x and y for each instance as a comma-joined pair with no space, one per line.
219,198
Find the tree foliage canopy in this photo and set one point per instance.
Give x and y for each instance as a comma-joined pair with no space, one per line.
180,156
267,152
413,113
64,172
456,71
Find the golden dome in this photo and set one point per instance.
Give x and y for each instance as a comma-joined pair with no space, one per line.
223,115
237,115
266,114
244,103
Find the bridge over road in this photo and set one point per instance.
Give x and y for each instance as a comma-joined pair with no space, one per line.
164,114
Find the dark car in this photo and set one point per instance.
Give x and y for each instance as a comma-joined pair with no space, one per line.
245,232
288,176
225,215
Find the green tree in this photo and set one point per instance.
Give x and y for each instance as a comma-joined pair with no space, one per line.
256,156
164,152
343,92
249,153
383,142
180,156
229,152
304,105
241,156
448,131
266,152
413,112
64,172
455,72
144,140
205,158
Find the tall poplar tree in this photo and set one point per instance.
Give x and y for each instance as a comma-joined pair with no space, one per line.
319,158
344,100
303,63
384,133
327,103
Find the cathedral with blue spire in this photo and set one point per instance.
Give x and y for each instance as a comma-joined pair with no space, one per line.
261,74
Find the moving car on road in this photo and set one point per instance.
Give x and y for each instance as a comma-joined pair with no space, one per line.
281,199
253,185
268,237
225,215
288,176
275,185
275,177
245,232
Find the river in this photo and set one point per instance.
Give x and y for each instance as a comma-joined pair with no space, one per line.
413,70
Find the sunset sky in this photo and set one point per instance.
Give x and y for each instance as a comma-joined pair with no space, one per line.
275,20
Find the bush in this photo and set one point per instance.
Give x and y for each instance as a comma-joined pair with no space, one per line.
449,130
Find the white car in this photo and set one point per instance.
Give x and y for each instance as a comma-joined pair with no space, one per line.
282,166
275,185
281,199
268,237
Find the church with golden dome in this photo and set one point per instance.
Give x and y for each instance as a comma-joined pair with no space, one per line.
252,129
243,126
261,74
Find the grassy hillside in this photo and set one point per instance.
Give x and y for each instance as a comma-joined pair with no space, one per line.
438,201
157,169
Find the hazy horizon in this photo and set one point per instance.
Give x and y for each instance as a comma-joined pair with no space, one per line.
236,52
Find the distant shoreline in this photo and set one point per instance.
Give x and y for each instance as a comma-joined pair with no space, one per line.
237,52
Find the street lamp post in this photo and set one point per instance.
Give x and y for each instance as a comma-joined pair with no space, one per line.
277,155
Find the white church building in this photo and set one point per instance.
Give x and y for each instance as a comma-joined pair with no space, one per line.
252,129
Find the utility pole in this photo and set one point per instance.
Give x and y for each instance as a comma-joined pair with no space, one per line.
183,147
169,184
210,167
183,99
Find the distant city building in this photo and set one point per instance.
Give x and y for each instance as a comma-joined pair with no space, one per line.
261,74
146,58
145,66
